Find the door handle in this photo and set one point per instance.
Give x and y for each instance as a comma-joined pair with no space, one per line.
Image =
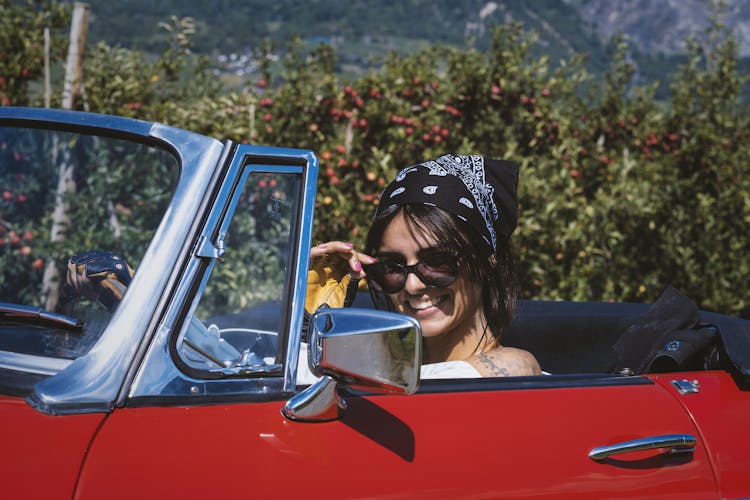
677,443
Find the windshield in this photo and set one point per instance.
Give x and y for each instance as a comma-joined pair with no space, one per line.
76,215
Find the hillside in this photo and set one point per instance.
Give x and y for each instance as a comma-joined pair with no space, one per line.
362,30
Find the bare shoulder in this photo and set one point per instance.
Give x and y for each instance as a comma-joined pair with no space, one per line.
505,362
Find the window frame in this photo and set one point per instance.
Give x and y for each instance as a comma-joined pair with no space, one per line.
164,379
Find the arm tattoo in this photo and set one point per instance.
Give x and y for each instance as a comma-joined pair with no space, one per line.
492,367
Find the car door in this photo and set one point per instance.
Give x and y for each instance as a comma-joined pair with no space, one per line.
494,439
203,413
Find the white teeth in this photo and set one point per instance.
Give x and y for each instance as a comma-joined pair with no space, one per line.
420,304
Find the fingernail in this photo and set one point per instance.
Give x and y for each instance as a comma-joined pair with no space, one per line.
357,266
349,245
322,246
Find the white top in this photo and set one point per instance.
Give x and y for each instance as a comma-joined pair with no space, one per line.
304,375
449,369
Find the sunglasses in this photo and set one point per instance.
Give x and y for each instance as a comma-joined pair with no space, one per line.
436,270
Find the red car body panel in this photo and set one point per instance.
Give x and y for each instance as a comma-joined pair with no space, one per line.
722,414
41,454
500,443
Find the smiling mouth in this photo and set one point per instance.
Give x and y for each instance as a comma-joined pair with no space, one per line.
422,304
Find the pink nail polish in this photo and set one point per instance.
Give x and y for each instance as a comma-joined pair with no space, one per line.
357,266
323,246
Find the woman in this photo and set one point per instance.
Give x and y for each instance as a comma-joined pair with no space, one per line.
439,250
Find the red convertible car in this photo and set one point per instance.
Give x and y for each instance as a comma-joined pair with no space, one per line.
187,387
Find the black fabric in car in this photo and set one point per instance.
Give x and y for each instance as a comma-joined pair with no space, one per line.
669,337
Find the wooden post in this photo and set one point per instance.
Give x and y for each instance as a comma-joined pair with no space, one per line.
47,86
66,175
79,27
253,133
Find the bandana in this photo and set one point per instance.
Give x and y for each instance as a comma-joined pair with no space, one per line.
479,191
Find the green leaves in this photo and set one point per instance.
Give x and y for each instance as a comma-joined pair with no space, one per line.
22,27
620,195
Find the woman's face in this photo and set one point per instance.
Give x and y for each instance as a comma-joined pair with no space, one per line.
452,311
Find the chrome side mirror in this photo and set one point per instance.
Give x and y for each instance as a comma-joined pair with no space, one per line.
366,349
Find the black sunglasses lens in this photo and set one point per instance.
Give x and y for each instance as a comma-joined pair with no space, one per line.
388,275
438,270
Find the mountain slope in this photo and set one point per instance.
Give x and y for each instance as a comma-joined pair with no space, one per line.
358,29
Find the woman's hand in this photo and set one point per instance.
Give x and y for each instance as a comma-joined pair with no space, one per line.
347,252
100,276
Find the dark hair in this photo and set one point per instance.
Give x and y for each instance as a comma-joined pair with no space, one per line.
495,272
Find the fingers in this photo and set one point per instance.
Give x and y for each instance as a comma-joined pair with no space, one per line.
71,278
330,247
99,276
75,277
346,251
79,283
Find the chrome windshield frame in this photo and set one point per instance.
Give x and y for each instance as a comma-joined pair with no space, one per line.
92,382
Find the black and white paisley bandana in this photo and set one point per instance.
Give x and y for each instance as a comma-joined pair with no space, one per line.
479,191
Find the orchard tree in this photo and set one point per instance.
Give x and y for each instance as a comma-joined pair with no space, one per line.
22,27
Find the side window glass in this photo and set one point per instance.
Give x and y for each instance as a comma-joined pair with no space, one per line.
239,317
65,194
